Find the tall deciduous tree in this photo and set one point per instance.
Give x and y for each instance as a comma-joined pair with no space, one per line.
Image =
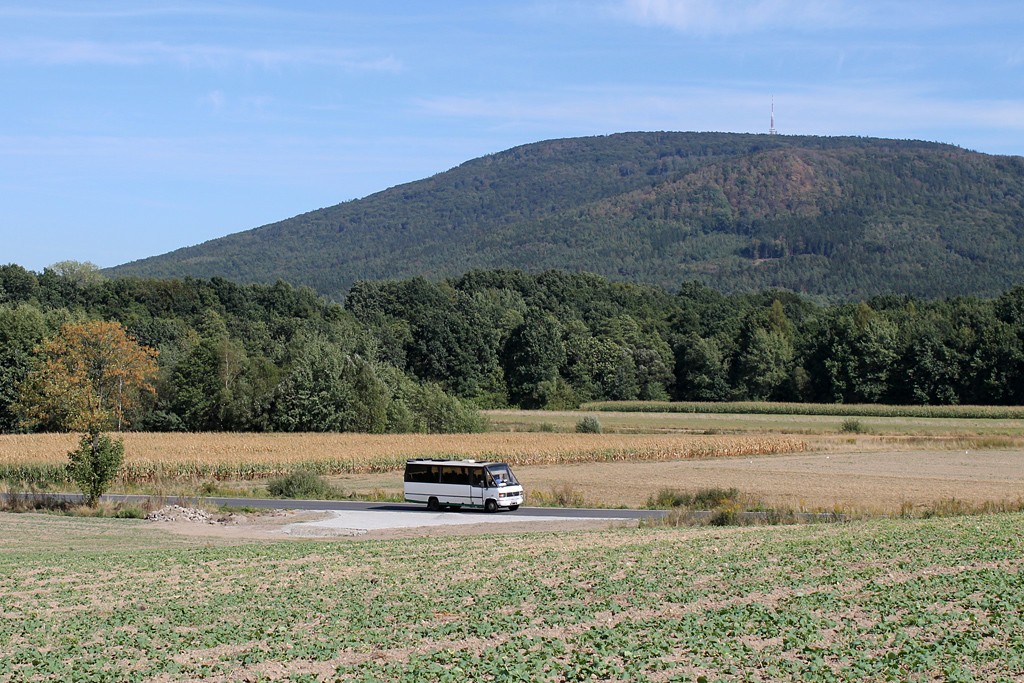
21,329
702,372
81,272
331,391
533,353
86,378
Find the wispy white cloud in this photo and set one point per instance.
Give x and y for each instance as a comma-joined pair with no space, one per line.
69,52
734,16
214,100
854,110
239,109
287,158
745,16
55,52
902,112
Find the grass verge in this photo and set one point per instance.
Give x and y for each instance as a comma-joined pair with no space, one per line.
49,503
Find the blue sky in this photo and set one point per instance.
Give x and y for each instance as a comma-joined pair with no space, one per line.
128,129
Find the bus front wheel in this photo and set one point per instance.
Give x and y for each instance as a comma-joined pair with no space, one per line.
491,506
433,505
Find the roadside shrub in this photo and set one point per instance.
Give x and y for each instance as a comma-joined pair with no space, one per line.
714,497
564,496
725,517
588,425
301,483
130,512
546,427
94,463
851,426
701,499
670,498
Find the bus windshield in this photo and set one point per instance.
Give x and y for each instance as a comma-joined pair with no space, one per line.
502,475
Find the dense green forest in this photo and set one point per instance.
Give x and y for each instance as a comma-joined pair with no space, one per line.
841,219
231,358
411,355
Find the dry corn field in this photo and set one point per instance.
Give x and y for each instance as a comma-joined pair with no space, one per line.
221,456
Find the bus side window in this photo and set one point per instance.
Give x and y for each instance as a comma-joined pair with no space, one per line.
454,475
425,474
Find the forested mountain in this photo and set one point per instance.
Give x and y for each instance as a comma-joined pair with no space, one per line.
838,218
409,355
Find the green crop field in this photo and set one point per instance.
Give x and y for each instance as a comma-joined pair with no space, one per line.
740,421
834,409
115,600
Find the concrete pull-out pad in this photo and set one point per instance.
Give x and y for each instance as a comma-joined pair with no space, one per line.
358,522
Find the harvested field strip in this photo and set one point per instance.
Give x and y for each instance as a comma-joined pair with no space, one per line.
831,409
151,457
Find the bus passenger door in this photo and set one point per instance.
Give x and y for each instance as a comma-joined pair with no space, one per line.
477,487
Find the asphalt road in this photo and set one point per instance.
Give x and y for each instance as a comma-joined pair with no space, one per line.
363,506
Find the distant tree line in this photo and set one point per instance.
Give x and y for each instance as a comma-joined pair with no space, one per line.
558,339
416,355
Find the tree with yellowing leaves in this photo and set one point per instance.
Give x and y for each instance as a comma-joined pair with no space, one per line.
86,378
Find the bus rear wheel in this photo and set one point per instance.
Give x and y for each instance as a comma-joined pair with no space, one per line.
490,506
433,505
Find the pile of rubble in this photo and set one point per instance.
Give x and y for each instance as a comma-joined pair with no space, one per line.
177,513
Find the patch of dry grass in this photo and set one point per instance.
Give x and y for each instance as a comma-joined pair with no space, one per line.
38,501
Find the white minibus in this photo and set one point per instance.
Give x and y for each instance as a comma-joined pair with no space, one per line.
462,483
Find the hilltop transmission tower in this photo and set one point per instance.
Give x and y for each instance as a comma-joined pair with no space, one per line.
771,130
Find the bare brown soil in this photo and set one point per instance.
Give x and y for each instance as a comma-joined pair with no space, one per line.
246,528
